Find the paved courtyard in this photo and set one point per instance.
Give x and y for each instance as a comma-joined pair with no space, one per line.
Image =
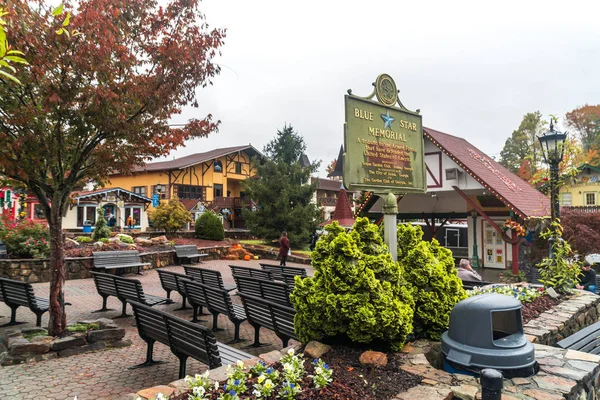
104,374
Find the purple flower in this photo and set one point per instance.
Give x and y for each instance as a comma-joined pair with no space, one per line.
269,370
326,366
232,392
237,382
316,361
292,385
225,387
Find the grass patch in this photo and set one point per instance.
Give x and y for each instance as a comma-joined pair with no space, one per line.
254,242
306,253
83,327
30,336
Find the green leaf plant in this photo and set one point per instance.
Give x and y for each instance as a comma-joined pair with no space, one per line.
558,271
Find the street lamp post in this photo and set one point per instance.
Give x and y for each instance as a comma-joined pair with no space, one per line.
553,148
475,260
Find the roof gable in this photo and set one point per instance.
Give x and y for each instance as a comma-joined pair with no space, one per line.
513,191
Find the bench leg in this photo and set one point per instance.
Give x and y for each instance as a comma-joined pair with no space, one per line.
38,319
149,361
195,316
182,366
183,306
284,340
257,342
236,336
13,317
202,311
215,328
103,306
124,311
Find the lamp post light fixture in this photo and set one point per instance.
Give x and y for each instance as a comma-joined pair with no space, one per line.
553,148
475,259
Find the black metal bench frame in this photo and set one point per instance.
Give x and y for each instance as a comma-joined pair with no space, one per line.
279,270
20,294
277,317
169,282
208,277
188,251
128,289
251,272
184,338
118,260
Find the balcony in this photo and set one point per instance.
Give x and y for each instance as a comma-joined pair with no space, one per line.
587,209
326,201
230,202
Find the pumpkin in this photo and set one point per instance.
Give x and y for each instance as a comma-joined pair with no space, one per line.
246,257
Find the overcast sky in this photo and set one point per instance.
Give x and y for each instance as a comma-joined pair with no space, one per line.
473,68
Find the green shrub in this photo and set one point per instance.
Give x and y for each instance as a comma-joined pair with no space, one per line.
436,287
84,239
171,216
557,272
103,240
101,230
357,291
83,327
26,239
126,239
209,227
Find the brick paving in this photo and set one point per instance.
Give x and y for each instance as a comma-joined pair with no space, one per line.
104,374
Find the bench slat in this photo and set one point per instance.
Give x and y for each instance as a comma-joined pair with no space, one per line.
573,341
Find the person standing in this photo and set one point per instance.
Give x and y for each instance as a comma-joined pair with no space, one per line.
284,247
466,273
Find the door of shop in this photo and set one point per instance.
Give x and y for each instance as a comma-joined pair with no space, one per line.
493,248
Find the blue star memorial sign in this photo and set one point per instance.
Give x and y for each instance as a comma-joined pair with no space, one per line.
387,120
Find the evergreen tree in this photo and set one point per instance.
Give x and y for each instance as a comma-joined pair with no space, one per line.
524,144
171,216
283,191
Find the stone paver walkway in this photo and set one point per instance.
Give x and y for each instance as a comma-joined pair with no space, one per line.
104,374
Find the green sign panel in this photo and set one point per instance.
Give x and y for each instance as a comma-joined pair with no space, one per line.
383,143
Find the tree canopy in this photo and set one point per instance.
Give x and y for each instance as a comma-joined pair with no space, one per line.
283,191
523,145
99,100
585,121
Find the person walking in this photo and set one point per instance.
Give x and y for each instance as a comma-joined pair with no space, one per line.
284,247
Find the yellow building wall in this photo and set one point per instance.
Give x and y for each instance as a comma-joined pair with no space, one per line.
578,192
202,174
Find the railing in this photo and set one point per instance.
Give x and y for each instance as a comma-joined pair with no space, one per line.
229,202
327,201
587,209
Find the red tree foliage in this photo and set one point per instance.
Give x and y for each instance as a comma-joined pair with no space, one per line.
100,100
581,230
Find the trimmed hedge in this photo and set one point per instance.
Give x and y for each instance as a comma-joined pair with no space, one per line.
209,227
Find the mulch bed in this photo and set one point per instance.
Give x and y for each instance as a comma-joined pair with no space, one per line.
533,309
351,379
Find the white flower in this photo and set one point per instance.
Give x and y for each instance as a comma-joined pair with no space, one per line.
205,375
217,385
240,364
199,391
261,378
268,384
291,351
187,379
318,370
228,368
161,396
256,393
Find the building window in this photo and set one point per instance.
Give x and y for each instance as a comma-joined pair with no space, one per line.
141,190
86,213
218,190
189,192
160,190
218,166
565,199
136,216
590,199
238,167
38,211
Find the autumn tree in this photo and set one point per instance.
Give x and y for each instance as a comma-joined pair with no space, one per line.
98,101
585,121
283,191
331,167
523,144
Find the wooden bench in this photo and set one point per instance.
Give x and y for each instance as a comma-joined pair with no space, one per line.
279,270
188,252
251,272
20,294
184,338
208,277
129,290
169,282
278,292
265,313
218,302
118,260
586,340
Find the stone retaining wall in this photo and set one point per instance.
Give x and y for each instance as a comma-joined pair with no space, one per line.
34,344
565,319
34,271
274,254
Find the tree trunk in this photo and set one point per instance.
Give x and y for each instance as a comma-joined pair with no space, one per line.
58,319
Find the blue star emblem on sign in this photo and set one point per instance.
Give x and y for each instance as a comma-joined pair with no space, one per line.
387,120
